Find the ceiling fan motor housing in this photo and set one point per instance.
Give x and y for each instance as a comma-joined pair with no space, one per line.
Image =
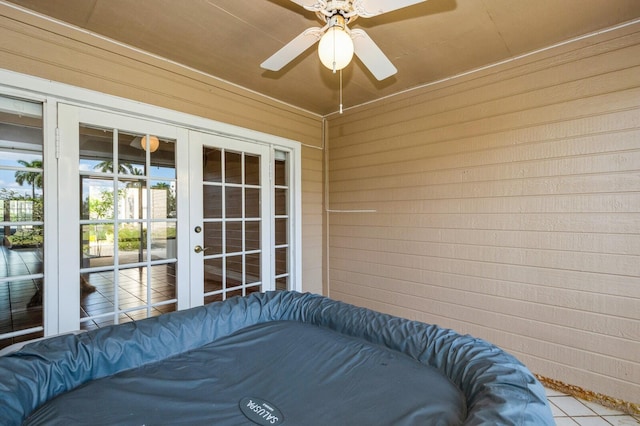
337,20
327,10
336,15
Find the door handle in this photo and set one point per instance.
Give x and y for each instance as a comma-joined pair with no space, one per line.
199,249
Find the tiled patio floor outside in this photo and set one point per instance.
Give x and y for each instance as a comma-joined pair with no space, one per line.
132,293
21,305
17,309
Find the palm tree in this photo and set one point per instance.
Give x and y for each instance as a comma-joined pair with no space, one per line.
123,168
32,178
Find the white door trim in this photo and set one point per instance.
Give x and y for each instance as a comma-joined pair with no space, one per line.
52,93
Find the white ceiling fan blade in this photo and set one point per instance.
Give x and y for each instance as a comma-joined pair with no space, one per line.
307,3
293,49
311,5
371,55
369,8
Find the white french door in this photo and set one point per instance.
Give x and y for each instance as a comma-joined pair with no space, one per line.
231,220
123,186
142,213
156,218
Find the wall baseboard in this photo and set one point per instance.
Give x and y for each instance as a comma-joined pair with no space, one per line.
578,392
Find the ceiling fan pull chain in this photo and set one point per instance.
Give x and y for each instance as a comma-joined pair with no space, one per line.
334,52
340,91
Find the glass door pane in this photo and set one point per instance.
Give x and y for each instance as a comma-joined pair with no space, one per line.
231,214
231,222
21,221
128,218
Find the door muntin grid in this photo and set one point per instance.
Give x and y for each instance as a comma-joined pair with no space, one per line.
21,220
128,218
282,221
232,221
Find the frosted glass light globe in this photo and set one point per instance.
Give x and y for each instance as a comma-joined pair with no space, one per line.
154,143
335,46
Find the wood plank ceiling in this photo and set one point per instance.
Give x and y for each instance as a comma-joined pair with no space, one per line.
427,42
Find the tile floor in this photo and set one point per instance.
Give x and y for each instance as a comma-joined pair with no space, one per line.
568,410
21,287
132,294
19,305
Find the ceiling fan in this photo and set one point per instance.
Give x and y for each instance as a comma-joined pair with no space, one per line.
338,43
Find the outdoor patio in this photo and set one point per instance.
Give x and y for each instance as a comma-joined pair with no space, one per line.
21,299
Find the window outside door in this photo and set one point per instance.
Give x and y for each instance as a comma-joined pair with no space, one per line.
21,220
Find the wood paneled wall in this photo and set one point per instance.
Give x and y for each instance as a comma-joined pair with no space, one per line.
506,204
42,48
312,204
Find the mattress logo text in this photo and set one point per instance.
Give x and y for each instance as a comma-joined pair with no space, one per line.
260,411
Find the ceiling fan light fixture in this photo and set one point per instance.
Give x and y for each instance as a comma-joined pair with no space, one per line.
335,48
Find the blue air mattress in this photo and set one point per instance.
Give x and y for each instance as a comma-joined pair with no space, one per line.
269,359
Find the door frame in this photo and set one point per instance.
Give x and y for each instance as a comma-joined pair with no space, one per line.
52,94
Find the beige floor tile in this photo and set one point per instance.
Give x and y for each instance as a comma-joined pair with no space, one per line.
591,421
571,406
623,420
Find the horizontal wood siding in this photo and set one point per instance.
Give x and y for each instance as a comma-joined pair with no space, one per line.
32,45
312,218
505,204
